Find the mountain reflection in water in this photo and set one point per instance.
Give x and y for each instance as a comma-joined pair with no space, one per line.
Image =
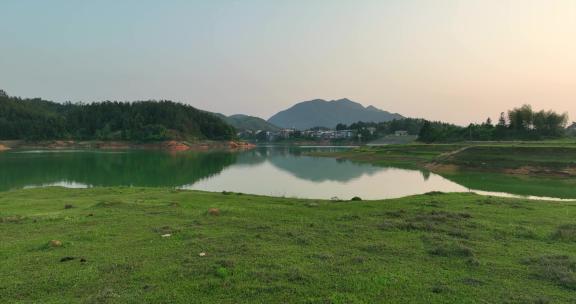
277,171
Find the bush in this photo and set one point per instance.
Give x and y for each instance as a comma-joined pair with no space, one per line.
565,233
559,269
222,272
356,198
445,247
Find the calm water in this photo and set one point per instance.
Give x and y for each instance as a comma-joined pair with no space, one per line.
266,171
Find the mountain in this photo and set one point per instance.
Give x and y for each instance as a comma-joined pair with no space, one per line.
244,122
322,113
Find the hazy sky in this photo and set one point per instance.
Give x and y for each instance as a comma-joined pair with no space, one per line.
458,61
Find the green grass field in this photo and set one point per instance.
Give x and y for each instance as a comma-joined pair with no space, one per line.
512,157
554,187
435,248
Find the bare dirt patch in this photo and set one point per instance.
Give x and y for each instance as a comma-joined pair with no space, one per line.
442,168
531,170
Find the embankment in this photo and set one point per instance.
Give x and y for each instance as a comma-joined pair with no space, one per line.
172,145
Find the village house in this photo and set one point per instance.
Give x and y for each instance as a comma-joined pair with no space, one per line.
344,134
285,133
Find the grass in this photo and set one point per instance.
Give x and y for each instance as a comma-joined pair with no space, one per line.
525,185
154,245
489,156
502,157
403,156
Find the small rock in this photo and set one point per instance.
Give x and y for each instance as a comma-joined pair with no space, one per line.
202,254
214,211
166,235
55,243
67,259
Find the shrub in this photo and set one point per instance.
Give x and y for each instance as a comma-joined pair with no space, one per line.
565,233
445,247
559,269
222,272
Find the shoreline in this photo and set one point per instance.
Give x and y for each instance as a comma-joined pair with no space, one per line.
444,159
169,145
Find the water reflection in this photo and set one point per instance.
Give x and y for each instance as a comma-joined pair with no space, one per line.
266,179
317,169
97,168
266,171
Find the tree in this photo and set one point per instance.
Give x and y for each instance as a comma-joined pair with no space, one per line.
549,123
571,130
341,126
521,119
502,121
38,119
426,133
501,127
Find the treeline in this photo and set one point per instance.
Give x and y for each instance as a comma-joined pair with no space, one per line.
371,130
37,119
517,124
521,123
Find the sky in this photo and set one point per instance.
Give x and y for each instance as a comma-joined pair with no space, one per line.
459,61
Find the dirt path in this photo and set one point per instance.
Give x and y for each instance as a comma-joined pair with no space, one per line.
446,155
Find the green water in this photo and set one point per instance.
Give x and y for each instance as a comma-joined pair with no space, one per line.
266,171
97,168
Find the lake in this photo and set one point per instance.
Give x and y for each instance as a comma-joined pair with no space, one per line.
276,171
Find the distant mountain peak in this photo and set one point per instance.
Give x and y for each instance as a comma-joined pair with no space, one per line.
322,113
244,122
343,100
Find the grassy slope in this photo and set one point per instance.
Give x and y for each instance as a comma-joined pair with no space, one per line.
515,184
445,248
496,157
513,157
404,156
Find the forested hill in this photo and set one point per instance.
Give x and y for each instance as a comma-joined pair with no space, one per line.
37,119
248,123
